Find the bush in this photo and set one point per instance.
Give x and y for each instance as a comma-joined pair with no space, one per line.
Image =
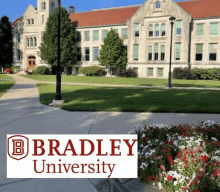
205,74
91,70
15,68
123,72
180,158
8,71
181,73
41,70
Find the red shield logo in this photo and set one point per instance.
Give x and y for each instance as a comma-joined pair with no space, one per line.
18,147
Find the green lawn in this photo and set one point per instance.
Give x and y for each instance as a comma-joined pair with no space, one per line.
92,98
4,76
127,81
5,86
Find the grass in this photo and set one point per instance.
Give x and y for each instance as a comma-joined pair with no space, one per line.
5,86
128,81
4,76
92,98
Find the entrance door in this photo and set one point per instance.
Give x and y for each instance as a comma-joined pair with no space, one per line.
31,63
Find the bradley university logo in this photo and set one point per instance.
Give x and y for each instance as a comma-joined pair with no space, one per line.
18,147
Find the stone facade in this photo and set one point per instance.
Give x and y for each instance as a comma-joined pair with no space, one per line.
148,42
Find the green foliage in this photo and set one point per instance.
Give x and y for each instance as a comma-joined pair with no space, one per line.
91,71
14,68
41,70
69,38
205,74
181,73
113,54
123,72
6,44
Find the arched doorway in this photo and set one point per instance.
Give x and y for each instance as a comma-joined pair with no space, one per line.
31,63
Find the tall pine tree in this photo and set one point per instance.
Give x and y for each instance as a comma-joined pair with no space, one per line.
113,54
6,44
68,38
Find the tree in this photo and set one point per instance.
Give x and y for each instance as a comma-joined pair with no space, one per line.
6,43
68,38
113,54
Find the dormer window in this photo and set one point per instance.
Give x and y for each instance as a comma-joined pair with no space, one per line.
43,5
157,5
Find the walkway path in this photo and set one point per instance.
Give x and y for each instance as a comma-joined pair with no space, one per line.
22,113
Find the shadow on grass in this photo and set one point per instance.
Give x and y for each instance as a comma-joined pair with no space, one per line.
5,86
91,98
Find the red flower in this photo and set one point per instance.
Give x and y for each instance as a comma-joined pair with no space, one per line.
169,157
163,167
188,128
179,154
140,175
149,177
215,174
196,182
168,150
144,139
205,158
161,149
217,163
200,176
171,162
156,178
171,143
151,128
169,178
182,130
184,188
205,185
187,135
197,190
216,125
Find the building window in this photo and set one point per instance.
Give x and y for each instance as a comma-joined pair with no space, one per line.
177,51
87,35
95,53
95,35
19,37
32,21
150,54
124,33
135,70
136,52
151,31
28,21
32,42
87,54
150,72
213,48
160,72
162,51
199,52
78,50
35,41
157,30
104,34
156,52
214,29
18,55
42,19
27,42
136,30
157,5
163,30
42,35
199,30
43,5
178,27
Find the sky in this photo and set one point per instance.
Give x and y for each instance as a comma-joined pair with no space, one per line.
15,8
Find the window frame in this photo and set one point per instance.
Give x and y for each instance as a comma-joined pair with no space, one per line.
151,52
122,35
203,29
106,34
156,44
94,53
85,35
216,52
87,54
151,30
94,35
158,72
202,52
135,30
210,29
181,28
163,24
180,51
135,60
155,5
163,52
148,72
156,30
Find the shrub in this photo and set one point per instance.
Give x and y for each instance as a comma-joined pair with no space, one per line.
41,70
15,68
123,72
8,71
180,158
205,74
181,73
91,70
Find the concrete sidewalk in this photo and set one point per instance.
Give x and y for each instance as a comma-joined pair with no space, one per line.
22,113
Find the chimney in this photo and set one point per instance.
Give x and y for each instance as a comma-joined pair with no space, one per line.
71,9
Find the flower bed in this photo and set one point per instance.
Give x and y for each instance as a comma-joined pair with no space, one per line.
180,158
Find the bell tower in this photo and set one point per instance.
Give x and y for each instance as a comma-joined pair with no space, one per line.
46,7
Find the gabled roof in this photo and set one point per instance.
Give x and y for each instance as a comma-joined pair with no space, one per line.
15,22
104,16
201,8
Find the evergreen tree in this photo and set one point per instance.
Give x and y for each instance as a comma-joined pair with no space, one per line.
68,39
6,44
113,54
